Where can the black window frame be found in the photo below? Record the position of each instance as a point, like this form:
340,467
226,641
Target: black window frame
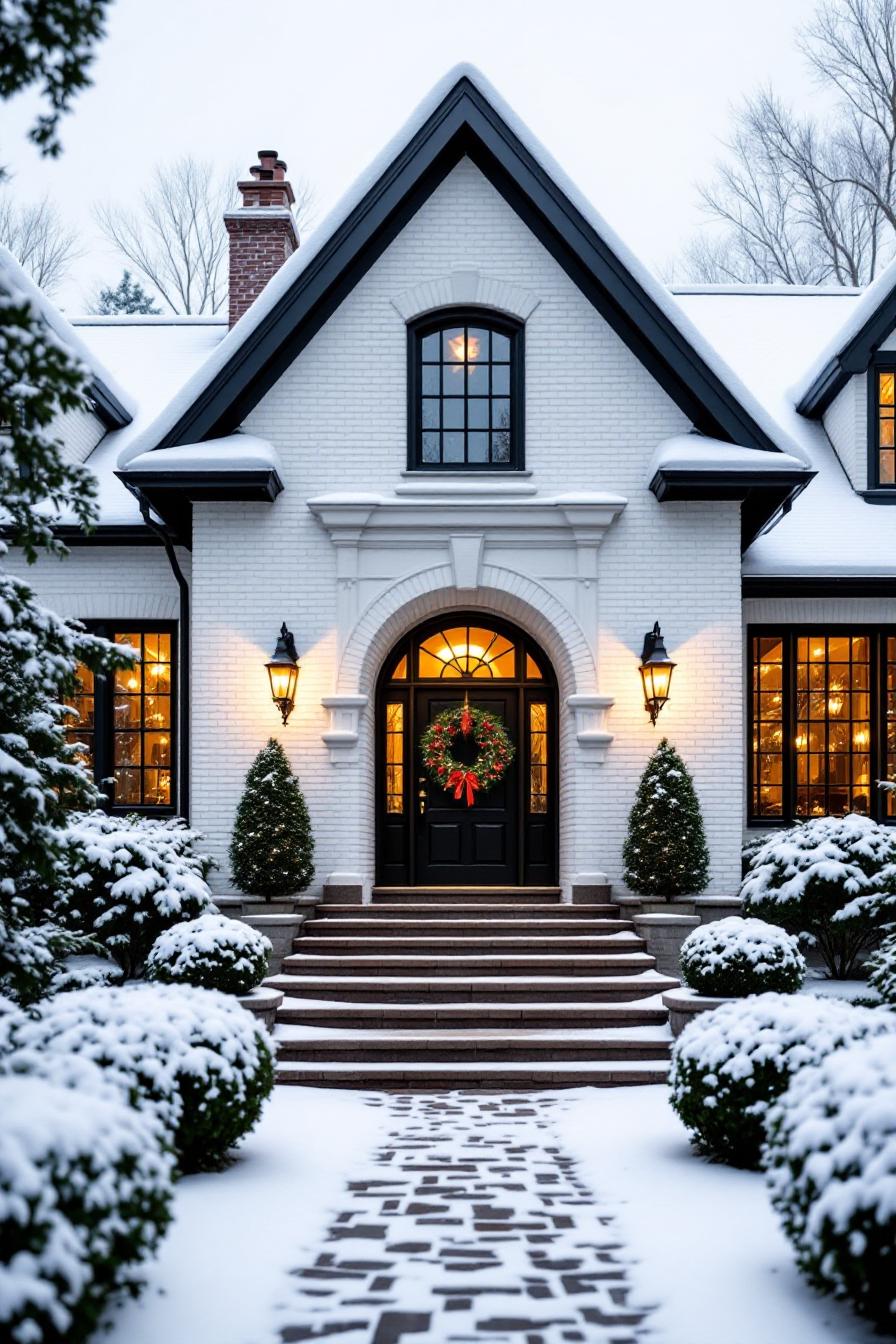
885,362
103,740
878,633
472,317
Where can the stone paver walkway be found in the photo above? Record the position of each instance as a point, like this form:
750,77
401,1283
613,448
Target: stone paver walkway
467,1224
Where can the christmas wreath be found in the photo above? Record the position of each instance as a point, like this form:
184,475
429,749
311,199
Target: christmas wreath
496,751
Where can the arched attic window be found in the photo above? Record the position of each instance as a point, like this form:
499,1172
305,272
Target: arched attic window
465,381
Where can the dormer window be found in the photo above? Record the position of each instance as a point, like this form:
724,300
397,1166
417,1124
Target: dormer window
882,456
466,393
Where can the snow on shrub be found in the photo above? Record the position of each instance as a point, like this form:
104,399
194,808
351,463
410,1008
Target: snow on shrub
832,879
213,952
85,1195
830,1161
882,970
731,1063
132,877
192,1056
734,956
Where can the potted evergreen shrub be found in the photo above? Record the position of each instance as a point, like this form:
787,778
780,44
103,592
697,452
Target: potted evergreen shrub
665,852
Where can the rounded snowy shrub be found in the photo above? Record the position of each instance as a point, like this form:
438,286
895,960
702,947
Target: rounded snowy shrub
831,879
192,1056
131,878
882,970
733,957
213,952
85,1195
730,1064
830,1161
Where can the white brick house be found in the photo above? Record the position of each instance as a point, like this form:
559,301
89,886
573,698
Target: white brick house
608,455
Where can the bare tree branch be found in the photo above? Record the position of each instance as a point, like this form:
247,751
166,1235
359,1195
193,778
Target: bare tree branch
39,239
177,239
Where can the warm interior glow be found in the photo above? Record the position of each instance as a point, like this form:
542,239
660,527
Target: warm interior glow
463,651
860,739
283,681
463,349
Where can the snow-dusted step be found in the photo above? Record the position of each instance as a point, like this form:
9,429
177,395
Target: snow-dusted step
465,943
466,895
498,988
477,1044
413,927
422,1076
496,908
533,963
437,1017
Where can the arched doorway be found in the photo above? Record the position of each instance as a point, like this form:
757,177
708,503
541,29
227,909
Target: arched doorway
426,837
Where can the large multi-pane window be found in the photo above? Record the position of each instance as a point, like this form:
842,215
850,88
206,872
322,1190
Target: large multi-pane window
823,722
126,722
465,393
883,417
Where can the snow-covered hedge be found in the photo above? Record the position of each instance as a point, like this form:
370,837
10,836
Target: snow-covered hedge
882,970
192,1056
830,1161
38,959
734,956
832,879
131,878
730,1064
85,1195
213,952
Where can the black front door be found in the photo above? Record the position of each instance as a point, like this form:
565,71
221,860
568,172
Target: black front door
456,844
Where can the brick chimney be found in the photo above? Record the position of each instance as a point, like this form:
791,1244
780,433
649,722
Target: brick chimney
262,231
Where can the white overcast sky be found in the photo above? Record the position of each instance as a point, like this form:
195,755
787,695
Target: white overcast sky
632,98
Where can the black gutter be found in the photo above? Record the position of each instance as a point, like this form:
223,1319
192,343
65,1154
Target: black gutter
184,670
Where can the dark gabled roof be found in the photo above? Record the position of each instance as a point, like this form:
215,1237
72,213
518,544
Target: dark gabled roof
465,121
854,347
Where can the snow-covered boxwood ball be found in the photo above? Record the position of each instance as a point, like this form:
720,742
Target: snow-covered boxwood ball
730,1064
131,878
733,957
830,1161
832,879
213,952
85,1196
194,1057
882,970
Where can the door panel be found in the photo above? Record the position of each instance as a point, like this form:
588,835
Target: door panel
457,844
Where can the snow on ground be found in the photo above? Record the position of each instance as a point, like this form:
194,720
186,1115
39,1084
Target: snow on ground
707,1244
836,989
223,1270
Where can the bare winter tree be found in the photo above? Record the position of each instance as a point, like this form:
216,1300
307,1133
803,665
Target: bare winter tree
39,239
177,239
810,200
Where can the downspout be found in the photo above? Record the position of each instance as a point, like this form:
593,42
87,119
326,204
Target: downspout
164,536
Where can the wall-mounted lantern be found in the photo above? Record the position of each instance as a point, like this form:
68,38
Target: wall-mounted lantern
283,672
656,672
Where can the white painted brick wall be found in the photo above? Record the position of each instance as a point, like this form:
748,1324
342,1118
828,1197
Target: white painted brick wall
593,418
105,582
846,422
79,431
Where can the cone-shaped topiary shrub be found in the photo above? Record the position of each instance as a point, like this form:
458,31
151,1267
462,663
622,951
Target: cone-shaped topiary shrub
272,849
665,851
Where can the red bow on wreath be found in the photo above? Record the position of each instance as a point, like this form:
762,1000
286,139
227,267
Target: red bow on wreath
464,779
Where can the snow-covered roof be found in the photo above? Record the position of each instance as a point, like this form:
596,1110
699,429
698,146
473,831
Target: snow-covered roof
768,334
281,283
695,452
875,297
236,452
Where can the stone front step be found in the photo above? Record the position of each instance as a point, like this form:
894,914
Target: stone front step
467,944
465,895
435,928
507,964
492,989
462,910
480,1045
497,1077
445,1016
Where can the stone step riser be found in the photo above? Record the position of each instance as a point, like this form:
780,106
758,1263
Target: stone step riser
443,991
487,896
484,910
452,928
509,1055
445,1017
473,1078
467,946
388,964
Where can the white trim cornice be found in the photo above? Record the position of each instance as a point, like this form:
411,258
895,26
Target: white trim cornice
462,288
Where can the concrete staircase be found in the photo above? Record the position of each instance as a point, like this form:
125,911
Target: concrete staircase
481,987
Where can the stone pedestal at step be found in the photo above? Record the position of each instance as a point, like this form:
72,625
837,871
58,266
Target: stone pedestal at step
280,920
685,1004
711,908
663,935
263,1003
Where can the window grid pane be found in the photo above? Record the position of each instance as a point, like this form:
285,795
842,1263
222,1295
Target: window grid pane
395,757
81,730
471,422
886,428
466,651
538,757
833,725
142,721
768,727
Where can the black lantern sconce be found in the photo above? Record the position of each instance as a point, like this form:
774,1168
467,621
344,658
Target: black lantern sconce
283,672
656,672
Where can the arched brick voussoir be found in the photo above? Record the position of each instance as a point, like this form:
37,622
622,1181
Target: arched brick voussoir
502,592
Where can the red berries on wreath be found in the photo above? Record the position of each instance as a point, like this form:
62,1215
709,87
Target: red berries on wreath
496,751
